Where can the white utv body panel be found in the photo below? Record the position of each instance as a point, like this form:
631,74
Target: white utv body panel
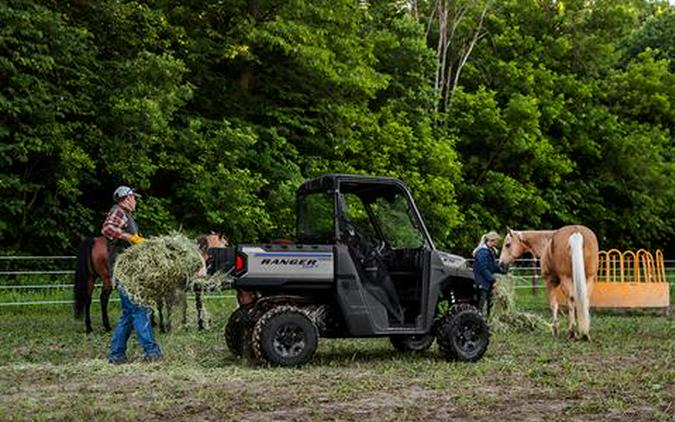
292,262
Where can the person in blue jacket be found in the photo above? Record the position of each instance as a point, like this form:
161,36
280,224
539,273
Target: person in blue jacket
484,267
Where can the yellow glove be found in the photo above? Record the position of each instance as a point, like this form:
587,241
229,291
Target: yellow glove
136,239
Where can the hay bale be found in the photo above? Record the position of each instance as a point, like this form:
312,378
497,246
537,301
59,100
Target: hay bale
504,316
159,268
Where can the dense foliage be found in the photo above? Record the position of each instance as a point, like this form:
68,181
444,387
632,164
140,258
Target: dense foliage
536,114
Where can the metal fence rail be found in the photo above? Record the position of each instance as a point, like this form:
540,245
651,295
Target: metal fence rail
526,272
70,302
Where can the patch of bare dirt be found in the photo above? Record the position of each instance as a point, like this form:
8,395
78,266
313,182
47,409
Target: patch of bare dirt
411,404
669,407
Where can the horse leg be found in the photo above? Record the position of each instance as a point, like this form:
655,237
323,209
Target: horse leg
87,308
571,307
103,269
553,304
161,316
183,304
589,291
200,308
105,295
571,329
167,324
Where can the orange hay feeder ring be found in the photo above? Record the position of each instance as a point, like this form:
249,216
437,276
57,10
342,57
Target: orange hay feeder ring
631,280
628,280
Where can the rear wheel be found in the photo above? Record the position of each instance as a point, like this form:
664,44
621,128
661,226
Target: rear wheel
412,343
463,334
286,336
238,325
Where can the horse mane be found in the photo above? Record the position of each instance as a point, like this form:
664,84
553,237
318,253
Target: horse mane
535,240
202,243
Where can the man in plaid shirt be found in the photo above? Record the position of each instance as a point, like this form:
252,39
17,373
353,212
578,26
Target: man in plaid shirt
119,226
121,231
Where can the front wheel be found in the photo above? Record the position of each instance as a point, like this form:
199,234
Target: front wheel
285,336
463,334
412,343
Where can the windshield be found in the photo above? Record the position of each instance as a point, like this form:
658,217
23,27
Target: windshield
394,217
384,215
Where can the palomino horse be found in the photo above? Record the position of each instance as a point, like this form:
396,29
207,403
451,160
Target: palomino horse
569,260
92,261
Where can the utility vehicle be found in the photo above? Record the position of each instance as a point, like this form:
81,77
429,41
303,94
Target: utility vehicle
363,265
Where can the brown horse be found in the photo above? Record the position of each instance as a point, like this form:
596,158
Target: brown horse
92,261
569,262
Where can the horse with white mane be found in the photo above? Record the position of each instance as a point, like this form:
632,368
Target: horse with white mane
569,260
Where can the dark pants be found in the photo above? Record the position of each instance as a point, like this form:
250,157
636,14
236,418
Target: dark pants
485,301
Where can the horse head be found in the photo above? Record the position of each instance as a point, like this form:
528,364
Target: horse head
208,241
211,240
514,247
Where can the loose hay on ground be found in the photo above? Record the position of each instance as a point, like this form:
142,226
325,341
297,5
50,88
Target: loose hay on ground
504,316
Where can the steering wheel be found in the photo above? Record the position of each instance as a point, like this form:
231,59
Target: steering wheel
380,247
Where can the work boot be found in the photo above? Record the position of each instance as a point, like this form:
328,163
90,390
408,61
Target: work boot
152,358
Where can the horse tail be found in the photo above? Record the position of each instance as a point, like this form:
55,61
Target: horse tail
581,304
82,274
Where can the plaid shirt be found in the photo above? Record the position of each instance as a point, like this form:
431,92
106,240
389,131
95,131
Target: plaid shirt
115,223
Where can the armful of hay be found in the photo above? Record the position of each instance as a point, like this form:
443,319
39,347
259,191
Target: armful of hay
159,267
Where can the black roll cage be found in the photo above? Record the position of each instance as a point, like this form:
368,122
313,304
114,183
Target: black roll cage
336,184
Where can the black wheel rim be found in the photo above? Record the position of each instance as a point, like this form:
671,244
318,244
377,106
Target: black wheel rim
289,340
468,337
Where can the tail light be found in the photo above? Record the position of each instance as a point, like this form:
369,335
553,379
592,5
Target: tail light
239,264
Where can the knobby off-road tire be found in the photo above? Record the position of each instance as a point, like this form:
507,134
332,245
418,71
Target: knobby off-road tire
237,330
286,336
463,334
412,343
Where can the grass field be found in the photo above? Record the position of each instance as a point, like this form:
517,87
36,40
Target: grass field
51,370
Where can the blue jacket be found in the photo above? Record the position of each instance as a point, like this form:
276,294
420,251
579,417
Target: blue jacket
484,266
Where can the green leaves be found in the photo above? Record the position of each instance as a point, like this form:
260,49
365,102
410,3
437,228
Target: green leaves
47,76
562,113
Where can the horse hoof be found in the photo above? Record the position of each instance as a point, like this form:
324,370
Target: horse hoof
585,337
570,335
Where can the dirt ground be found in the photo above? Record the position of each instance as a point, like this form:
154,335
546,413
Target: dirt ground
51,370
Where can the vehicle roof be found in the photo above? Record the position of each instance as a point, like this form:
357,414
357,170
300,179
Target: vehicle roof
330,181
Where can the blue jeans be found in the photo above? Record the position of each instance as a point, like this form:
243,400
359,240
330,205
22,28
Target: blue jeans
136,317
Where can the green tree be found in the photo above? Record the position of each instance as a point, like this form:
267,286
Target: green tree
47,76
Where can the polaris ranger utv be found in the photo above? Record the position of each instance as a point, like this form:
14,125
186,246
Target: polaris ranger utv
364,265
